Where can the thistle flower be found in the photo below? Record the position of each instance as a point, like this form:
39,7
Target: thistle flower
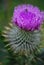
23,33
27,17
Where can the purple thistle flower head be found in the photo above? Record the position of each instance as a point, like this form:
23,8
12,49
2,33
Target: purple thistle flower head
27,17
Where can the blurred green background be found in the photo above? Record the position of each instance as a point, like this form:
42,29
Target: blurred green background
6,12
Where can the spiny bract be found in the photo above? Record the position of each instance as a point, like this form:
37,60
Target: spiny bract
20,40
